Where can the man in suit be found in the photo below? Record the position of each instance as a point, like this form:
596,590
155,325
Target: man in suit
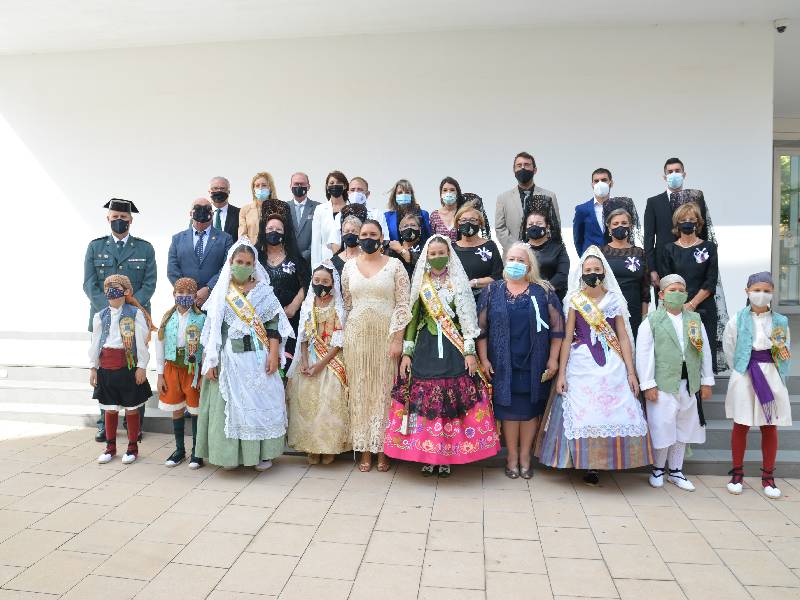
658,216
226,215
199,251
302,208
508,212
588,227
120,253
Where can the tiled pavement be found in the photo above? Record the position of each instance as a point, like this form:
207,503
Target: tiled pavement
75,530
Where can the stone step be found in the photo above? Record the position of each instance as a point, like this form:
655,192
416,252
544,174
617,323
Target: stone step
718,436
715,407
718,462
50,374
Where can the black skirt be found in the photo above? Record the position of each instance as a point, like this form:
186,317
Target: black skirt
118,387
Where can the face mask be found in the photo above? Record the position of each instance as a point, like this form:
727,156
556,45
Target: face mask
403,199
449,198
409,234
219,196
336,191
524,176
241,272
760,298
468,229
592,279
298,191
350,240
536,232
321,291
687,227
262,193
120,226
675,300
184,301
620,233
369,245
113,293
515,270
357,197
274,238
438,263
201,214
601,189
675,181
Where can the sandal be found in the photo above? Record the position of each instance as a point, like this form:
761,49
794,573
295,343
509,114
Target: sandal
328,458
365,466
313,459
384,464
526,473
512,473
427,470
444,471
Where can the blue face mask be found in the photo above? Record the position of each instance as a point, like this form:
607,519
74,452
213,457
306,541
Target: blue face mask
403,199
184,301
263,194
675,180
113,293
516,270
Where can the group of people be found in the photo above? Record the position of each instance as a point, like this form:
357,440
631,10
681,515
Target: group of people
409,335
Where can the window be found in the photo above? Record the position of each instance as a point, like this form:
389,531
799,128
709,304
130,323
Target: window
787,184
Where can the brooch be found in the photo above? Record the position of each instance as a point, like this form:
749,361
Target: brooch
484,253
289,267
632,264
701,255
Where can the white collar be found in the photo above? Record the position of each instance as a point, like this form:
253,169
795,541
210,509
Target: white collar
197,231
222,209
296,203
123,240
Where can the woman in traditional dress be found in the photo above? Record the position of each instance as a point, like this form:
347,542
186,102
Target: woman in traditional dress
242,406
595,421
441,410
375,290
317,390
522,329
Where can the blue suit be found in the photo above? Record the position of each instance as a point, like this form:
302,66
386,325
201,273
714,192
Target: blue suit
585,228
183,262
394,234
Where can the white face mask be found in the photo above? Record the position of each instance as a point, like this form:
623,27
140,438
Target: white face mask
601,189
357,197
760,298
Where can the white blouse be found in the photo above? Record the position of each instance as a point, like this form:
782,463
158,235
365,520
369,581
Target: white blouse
114,339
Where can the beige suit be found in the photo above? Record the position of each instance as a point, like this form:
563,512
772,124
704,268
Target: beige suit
508,214
249,216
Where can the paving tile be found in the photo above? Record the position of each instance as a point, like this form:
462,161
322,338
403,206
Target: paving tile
14,521
110,494
104,537
340,469
355,503
225,595
445,568
23,484
45,499
564,542
240,519
727,534
316,488
510,526
580,577
636,589
786,549
683,547
466,485
84,478
56,573
95,587
759,567
452,535
558,514
407,519
300,511
331,560
388,581
416,495
140,509
7,573
346,529
286,470
258,574
173,488
501,586
139,559
213,549
370,483
181,582
393,548
71,518
771,522
58,465
618,530
456,508
174,528
303,588
261,495
634,562
201,502
282,538
512,501
438,593
30,545
708,582
772,593
514,556
705,509
663,518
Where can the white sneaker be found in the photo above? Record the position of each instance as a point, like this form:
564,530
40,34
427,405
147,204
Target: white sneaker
768,483
676,477
656,477
128,458
263,465
105,458
772,492
195,463
735,488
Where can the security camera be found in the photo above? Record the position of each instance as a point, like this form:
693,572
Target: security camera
781,25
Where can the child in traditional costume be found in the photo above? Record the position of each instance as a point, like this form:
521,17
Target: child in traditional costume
178,359
118,358
319,417
674,360
595,421
442,413
242,417
756,345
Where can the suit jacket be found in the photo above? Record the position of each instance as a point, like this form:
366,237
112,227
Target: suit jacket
508,214
658,228
183,262
303,227
232,222
392,224
585,228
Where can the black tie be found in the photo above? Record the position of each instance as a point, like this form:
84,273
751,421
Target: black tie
120,245
198,249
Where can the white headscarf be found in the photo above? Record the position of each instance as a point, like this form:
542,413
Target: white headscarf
215,307
337,339
464,300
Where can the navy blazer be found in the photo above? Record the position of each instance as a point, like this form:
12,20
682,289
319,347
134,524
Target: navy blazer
183,261
585,228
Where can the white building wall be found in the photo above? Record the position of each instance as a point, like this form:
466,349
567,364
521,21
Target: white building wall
154,124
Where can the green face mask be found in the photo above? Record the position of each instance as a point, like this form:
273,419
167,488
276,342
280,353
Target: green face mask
241,273
438,263
675,300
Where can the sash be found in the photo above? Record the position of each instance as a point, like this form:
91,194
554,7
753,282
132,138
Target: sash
430,299
321,348
192,335
127,331
597,321
247,313
779,350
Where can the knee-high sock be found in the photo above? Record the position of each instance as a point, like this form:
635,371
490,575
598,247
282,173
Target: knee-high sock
111,421
675,455
133,431
178,429
194,433
769,446
660,457
739,443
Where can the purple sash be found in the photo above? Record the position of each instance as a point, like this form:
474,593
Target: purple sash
760,385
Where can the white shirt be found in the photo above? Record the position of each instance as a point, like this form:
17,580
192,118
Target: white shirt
196,237
114,339
123,240
598,213
223,216
181,341
298,208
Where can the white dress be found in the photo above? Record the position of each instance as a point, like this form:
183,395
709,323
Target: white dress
741,403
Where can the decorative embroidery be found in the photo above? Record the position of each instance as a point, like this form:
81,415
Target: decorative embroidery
289,267
701,255
633,264
695,335
779,350
484,253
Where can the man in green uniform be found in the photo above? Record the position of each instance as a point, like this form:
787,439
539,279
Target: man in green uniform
123,254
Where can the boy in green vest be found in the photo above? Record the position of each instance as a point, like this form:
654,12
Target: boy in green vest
673,360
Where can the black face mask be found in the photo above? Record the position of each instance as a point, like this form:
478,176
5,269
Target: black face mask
592,279
336,191
524,176
620,233
120,226
274,238
687,227
219,196
468,229
409,234
535,232
298,191
350,240
320,290
201,214
369,245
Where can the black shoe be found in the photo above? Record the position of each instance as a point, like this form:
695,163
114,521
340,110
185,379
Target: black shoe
196,463
176,458
139,439
444,471
526,473
100,436
591,478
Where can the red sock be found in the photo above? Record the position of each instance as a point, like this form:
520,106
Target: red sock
112,419
739,443
133,431
769,446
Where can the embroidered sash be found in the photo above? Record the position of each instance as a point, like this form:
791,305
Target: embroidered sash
247,313
597,321
321,348
127,331
779,350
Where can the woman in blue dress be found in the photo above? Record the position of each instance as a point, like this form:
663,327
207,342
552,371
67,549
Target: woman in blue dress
522,359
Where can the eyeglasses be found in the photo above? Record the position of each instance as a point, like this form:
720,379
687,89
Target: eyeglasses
470,221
